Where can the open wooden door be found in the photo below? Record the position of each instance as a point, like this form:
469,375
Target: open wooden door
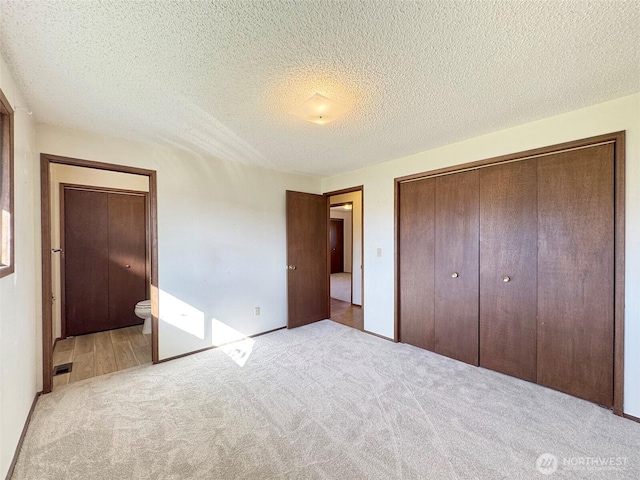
307,259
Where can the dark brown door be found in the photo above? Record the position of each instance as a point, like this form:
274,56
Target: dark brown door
508,267
336,243
104,260
127,258
416,258
307,259
457,266
575,273
85,262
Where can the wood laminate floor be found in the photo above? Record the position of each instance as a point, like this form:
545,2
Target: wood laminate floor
99,353
347,314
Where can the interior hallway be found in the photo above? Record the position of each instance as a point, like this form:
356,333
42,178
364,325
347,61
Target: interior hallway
347,314
342,310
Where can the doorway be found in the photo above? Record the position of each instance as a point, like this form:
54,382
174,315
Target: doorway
132,344
341,251
345,242
104,272
104,233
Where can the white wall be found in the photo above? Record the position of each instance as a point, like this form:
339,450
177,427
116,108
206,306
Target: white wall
221,230
71,174
358,266
347,237
20,305
378,180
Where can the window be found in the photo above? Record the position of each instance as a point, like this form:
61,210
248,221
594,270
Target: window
6,187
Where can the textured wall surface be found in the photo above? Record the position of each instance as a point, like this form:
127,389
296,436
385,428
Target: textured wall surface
221,237
220,77
20,296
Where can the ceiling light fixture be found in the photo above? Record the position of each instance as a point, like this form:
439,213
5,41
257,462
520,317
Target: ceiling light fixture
320,110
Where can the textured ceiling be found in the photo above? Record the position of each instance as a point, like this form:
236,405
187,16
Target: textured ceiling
219,78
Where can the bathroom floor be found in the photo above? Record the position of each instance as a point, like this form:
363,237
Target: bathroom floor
99,353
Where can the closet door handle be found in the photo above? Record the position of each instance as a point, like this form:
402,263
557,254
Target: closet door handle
506,278
454,275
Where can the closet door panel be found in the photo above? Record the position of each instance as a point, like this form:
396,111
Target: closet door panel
575,273
416,258
457,266
127,258
85,261
508,268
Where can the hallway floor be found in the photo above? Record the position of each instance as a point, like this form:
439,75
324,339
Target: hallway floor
341,286
102,352
347,314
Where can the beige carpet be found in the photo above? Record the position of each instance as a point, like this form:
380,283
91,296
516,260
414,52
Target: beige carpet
321,402
341,286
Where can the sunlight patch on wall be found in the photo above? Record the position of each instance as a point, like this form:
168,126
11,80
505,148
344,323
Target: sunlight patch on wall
188,319
181,315
222,334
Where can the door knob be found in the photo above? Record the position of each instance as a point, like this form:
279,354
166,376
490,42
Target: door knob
506,278
454,275
127,266
291,267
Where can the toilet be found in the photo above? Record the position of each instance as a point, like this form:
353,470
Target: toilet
143,310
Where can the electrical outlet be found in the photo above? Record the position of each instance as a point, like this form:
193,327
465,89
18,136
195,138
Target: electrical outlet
379,252
256,312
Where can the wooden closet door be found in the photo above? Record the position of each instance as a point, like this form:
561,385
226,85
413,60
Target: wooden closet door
86,262
576,273
508,268
457,266
416,259
127,258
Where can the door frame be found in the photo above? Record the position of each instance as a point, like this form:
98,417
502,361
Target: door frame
147,280
45,204
618,140
331,205
328,195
